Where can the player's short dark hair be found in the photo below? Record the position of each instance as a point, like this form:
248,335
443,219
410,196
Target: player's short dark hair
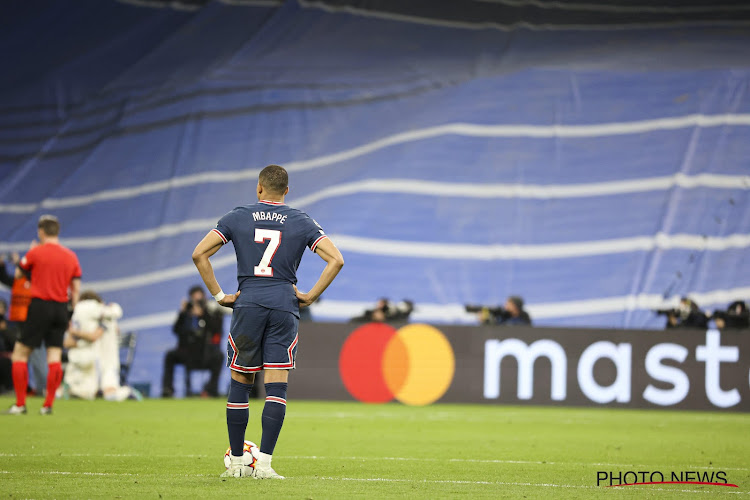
49,225
91,295
274,178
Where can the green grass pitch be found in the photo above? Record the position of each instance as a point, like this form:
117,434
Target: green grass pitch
174,449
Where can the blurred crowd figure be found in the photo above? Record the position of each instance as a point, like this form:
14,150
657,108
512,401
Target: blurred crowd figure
689,315
93,343
386,311
510,314
8,335
15,314
199,330
686,315
736,316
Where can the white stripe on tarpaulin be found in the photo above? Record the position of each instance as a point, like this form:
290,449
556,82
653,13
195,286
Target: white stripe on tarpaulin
443,23
188,7
140,280
423,250
462,129
488,190
417,187
128,238
585,7
435,250
596,7
426,250
455,313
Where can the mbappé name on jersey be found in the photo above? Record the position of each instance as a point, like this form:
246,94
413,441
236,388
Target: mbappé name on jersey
269,240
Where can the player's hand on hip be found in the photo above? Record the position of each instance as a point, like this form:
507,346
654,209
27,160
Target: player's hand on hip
303,298
228,300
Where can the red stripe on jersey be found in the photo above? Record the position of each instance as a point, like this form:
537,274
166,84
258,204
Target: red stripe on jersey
317,241
223,238
276,203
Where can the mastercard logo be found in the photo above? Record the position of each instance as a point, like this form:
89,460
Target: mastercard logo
414,364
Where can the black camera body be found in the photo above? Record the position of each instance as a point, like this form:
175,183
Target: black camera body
667,312
732,319
201,303
497,313
720,315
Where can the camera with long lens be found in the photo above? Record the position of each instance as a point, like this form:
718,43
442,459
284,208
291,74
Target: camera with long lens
667,312
489,315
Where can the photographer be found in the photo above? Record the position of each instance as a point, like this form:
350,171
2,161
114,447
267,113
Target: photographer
686,315
6,278
385,311
198,333
512,313
8,335
736,317
20,298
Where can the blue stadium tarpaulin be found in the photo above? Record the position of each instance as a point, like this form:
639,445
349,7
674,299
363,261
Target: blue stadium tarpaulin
593,158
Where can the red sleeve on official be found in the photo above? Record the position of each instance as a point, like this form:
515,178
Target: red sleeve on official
27,261
77,270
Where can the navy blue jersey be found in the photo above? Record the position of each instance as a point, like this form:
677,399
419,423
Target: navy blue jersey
269,240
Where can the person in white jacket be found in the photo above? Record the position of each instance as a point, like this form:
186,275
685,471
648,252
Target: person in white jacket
93,341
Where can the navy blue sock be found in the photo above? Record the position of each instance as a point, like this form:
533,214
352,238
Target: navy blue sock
273,416
237,415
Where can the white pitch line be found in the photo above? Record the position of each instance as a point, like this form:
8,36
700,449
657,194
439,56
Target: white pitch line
495,461
116,455
508,483
383,480
404,459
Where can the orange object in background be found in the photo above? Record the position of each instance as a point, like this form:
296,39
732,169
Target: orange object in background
20,298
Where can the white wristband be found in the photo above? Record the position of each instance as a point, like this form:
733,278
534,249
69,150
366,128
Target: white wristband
220,295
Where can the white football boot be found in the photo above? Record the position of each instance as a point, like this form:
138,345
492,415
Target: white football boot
263,468
236,468
15,410
266,473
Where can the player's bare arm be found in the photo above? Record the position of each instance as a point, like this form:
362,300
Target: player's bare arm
75,291
209,245
334,262
90,336
19,273
69,341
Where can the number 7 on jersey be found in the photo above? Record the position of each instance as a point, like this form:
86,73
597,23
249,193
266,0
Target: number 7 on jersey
261,235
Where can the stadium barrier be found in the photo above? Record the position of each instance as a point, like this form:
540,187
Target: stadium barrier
421,364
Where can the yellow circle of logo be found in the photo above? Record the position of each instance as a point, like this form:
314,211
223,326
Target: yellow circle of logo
414,364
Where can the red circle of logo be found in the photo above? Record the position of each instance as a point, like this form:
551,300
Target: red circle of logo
360,363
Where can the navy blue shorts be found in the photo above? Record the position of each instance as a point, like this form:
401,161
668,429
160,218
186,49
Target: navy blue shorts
261,338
